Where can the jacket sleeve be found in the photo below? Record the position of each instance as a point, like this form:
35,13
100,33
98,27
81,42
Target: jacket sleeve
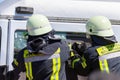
13,74
18,65
18,61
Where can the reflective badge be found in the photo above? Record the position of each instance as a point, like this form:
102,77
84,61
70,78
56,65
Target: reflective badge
105,53
108,49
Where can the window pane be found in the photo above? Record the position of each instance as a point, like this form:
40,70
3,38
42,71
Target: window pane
72,36
20,40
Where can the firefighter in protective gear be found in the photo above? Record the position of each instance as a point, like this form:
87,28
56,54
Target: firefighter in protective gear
104,52
45,56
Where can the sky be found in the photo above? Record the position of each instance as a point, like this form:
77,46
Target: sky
1,1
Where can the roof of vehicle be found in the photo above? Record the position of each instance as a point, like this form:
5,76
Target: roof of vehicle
63,8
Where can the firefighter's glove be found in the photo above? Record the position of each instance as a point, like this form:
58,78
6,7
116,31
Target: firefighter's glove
79,48
76,56
74,59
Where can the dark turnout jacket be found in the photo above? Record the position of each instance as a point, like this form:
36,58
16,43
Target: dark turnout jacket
102,55
48,66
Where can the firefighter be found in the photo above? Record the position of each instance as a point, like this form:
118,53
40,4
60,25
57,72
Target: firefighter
104,52
45,56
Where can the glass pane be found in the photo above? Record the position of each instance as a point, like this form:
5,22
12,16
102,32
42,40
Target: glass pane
72,36
20,40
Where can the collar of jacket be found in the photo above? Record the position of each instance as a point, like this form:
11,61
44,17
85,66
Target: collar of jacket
97,40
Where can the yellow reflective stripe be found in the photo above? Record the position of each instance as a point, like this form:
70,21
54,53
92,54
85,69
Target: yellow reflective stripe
101,66
27,73
28,66
104,65
56,67
15,62
54,70
74,61
84,65
105,53
26,53
70,46
58,51
30,69
108,49
71,52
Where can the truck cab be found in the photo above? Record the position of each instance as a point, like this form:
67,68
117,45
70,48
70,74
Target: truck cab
67,17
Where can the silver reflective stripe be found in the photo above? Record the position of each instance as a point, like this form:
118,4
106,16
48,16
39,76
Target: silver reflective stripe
109,56
40,58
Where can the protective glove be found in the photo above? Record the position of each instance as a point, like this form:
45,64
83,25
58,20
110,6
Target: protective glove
79,48
73,58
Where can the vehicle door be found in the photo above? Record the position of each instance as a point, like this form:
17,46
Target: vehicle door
3,44
17,40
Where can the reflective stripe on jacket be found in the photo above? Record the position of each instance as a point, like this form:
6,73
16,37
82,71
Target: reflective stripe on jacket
43,66
107,52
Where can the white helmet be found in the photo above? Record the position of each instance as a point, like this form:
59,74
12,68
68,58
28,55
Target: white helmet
38,25
100,26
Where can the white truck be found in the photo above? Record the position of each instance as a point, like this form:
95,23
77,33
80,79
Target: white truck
67,17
